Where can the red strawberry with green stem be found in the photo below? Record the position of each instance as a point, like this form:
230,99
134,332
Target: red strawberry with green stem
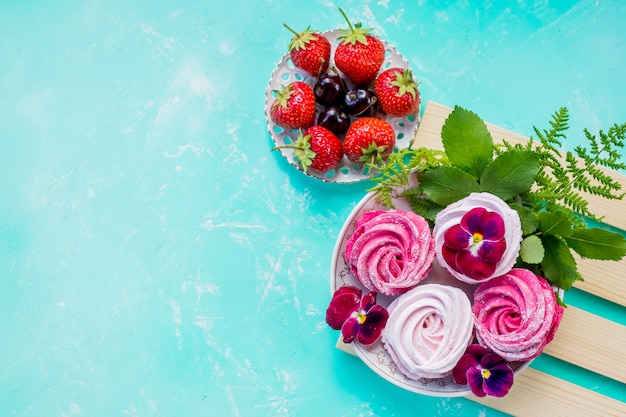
309,51
360,55
397,92
317,149
369,141
294,106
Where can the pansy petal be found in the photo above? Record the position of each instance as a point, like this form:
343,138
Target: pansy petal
347,289
473,219
475,381
375,322
477,351
456,238
492,226
368,300
459,372
449,256
377,315
350,329
473,266
500,380
369,333
491,360
345,301
492,251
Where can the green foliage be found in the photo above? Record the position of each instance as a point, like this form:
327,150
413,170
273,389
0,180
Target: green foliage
532,250
511,173
394,176
528,218
562,181
445,185
558,265
547,188
467,142
597,244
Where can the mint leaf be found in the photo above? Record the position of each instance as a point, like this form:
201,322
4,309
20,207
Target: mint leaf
528,218
555,223
531,250
598,244
467,142
445,185
511,173
559,266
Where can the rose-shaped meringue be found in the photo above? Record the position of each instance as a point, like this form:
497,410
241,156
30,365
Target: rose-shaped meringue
390,251
428,330
516,314
477,238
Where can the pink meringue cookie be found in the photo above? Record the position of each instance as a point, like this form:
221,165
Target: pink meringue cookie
428,330
516,314
452,216
390,251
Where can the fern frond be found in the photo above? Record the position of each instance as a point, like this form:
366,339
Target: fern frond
551,139
397,171
563,180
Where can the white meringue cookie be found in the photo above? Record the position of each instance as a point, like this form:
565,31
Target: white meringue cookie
428,330
452,215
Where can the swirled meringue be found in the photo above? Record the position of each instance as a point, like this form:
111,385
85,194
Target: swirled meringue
428,330
516,314
453,215
390,251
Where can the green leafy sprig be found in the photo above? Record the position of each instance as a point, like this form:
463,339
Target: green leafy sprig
548,190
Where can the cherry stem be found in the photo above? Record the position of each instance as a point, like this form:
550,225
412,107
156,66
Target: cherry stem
369,106
341,80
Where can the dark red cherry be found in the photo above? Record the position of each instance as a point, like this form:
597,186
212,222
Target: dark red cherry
334,119
360,102
329,89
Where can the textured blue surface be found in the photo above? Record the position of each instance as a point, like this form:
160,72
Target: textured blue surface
157,259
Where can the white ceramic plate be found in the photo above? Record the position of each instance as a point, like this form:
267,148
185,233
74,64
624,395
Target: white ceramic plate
375,356
347,172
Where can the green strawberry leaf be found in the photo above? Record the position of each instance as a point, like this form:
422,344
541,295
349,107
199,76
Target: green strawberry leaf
511,173
300,39
531,250
467,142
302,151
373,156
445,185
554,223
355,34
405,83
528,218
559,266
597,244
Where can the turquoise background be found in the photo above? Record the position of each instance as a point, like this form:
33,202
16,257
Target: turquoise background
158,259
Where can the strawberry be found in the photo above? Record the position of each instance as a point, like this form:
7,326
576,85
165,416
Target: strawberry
294,106
318,149
360,55
397,92
309,51
369,140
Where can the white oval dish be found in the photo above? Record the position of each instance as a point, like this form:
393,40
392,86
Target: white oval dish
375,356
347,172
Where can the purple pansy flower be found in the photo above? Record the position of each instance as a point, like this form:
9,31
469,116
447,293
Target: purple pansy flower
485,372
475,246
357,317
